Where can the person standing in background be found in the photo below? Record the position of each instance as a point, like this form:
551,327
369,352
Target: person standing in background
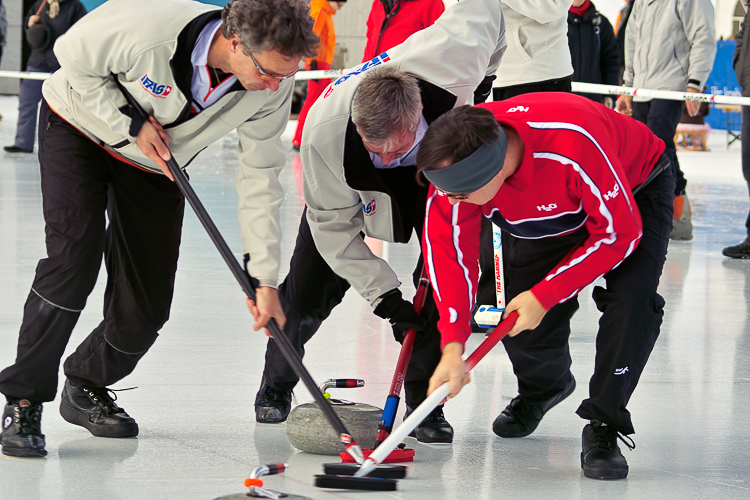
669,45
392,21
593,47
741,64
322,11
621,24
3,32
45,22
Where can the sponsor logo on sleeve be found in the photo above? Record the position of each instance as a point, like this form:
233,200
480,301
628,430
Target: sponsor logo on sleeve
613,193
154,88
369,208
377,61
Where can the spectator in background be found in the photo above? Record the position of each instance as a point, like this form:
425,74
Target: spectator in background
593,47
620,29
46,21
669,45
322,11
392,21
741,63
3,32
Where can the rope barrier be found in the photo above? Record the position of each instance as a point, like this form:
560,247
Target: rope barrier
589,88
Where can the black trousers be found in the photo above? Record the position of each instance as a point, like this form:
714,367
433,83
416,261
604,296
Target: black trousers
81,183
631,310
745,131
310,292
661,117
486,284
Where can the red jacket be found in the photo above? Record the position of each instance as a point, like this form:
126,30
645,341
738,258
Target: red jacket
407,17
579,164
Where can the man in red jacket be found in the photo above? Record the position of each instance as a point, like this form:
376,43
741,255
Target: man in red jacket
557,173
392,21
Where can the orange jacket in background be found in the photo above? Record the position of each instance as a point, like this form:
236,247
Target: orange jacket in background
323,15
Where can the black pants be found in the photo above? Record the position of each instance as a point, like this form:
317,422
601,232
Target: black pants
661,117
486,286
80,183
631,310
746,154
310,292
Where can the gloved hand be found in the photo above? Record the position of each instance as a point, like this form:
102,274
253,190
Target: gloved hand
484,89
400,313
313,65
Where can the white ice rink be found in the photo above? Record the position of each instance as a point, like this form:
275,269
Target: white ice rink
195,388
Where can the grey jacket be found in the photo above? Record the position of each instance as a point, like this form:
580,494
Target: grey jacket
741,57
132,43
669,44
345,195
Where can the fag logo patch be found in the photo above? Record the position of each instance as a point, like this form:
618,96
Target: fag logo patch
377,61
155,89
369,208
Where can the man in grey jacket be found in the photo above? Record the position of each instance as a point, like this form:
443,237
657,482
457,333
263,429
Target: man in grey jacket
741,63
358,158
199,71
669,45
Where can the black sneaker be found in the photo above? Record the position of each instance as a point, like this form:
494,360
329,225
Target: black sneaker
521,417
601,457
22,430
741,251
16,149
433,429
94,408
272,406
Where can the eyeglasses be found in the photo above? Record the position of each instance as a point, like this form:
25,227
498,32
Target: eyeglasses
453,196
266,76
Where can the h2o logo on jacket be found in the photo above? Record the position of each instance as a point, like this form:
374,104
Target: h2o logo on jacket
369,208
377,61
153,88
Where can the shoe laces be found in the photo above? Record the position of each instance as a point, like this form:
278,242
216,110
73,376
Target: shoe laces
522,409
606,437
436,416
105,398
28,417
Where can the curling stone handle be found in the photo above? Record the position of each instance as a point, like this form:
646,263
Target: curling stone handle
341,383
268,470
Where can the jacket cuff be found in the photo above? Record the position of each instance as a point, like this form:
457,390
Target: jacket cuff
546,296
695,84
454,333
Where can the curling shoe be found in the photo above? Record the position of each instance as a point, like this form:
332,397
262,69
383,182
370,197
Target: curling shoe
22,430
682,226
601,457
95,409
272,406
741,251
521,417
433,429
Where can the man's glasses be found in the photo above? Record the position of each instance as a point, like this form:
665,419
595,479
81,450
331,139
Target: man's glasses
453,196
266,76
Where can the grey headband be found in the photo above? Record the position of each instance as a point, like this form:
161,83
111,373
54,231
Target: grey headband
473,172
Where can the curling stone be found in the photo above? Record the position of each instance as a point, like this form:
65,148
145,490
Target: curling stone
308,429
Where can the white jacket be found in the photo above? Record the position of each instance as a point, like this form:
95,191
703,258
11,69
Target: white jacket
343,192
537,35
669,45
134,42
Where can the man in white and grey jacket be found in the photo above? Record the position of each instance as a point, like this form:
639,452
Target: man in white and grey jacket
198,71
669,45
358,157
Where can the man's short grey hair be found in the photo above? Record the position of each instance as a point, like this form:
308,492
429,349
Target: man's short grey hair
387,103
281,25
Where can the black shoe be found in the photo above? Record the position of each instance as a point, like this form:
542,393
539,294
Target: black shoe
601,457
95,409
272,406
741,251
521,417
22,430
433,429
16,149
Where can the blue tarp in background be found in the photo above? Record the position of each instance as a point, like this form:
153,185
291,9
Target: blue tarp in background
722,80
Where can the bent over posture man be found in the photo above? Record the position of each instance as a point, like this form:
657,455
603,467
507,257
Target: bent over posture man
556,172
199,71
358,156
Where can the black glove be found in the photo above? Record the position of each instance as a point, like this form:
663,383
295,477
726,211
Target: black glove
313,65
484,89
400,313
